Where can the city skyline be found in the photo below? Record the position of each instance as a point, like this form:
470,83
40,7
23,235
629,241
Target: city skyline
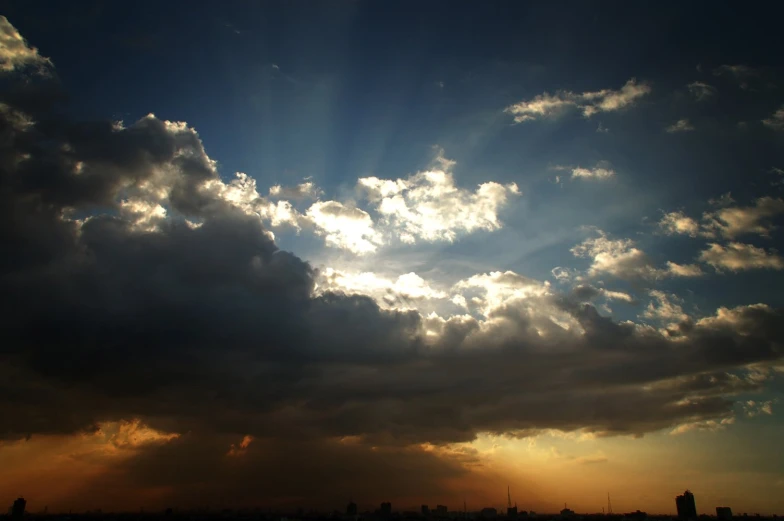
685,506
293,253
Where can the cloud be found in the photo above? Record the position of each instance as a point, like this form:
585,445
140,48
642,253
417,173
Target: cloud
428,206
678,223
306,190
683,270
665,308
345,227
140,287
776,120
591,460
682,125
622,259
706,425
732,222
496,288
587,292
15,53
742,74
400,292
701,91
598,173
722,200
753,408
736,256
548,105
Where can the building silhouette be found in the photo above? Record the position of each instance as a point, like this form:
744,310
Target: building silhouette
17,510
687,508
488,512
386,508
511,511
723,513
351,509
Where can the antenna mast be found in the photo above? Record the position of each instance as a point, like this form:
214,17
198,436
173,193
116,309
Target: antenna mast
508,497
609,505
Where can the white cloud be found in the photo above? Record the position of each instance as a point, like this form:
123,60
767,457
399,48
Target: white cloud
679,223
621,258
665,308
740,257
242,193
682,125
14,51
386,291
429,206
734,221
683,270
701,91
776,120
587,292
306,190
345,227
562,274
498,287
597,172
548,105
143,215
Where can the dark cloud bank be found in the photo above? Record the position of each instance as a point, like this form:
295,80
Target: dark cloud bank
196,323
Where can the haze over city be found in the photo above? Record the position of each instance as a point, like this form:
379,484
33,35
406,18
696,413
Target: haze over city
296,255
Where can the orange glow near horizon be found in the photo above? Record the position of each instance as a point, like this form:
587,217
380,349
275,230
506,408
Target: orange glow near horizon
544,472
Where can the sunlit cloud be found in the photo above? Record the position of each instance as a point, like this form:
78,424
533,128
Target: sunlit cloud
15,53
623,259
737,256
597,172
429,206
548,105
345,227
776,120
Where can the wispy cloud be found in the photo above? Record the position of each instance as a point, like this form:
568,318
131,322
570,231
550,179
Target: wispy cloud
776,120
601,171
742,74
682,125
701,91
548,105
737,256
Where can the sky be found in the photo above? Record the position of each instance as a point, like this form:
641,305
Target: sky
288,254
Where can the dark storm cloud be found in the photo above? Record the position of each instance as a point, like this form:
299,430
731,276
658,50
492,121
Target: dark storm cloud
190,318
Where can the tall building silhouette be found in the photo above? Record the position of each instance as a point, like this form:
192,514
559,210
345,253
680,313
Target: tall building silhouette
17,511
687,508
723,513
386,509
351,509
425,510
511,511
442,510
